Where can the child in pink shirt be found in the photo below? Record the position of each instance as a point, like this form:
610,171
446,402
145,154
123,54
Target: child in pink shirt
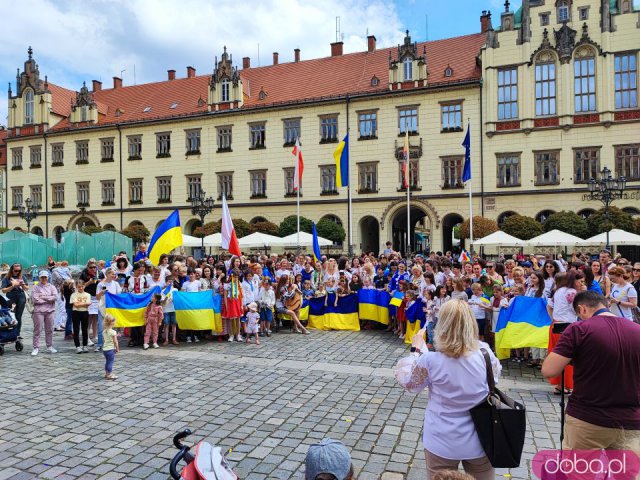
153,316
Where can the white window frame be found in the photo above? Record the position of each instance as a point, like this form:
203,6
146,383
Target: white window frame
508,170
225,184
108,192
258,183
545,89
224,135
194,186
57,193
407,69
83,194
508,93
134,147
164,189
626,80
29,107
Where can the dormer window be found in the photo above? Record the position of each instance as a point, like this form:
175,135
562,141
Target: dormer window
262,95
146,109
374,81
28,107
173,106
407,68
225,91
563,12
448,72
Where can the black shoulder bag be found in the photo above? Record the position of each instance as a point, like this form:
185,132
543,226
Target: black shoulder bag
501,424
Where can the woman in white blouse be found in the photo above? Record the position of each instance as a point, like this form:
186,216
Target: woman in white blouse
457,381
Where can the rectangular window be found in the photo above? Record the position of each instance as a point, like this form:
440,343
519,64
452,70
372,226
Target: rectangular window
408,120
163,145
545,89
36,195
452,172
414,174
451,114
194,187
57,192
329,129
164,189
291,131
544,19
546,168
35,154
328,180
224,139
289,175
16,197
108,192
585,84
367,177
563,13
135,191
82,152
193,142
57,154
368,125
257,135
507,94
586,164
626,80
508,171
258,180
225,185
82,190
583,13
135,147
16,158
628,161
106,149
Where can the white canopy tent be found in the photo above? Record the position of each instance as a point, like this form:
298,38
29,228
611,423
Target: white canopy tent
306,240
554,238
189,241
213,240
499,239
616,237
258,239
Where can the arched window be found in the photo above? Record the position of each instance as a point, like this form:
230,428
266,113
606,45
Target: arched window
542,216
407,67
545,86
503,216
225,90
28,107
584,76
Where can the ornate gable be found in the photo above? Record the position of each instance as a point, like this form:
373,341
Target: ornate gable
84,108
408,69
30,76
224,70
565,41
225,85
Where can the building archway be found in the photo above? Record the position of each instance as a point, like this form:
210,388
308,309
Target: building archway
419,235
634,212
503,216
109,227
82,219
255,220
449,222
57,233
586,212
136,223
37,231
191,225
369,234
335,219
542,216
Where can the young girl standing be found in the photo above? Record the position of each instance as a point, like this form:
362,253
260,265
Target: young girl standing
153,317
267,300
80,301
253,317
110,346
232,306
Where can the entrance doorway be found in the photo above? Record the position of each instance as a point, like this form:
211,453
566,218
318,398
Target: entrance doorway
449,224
420,231
369,234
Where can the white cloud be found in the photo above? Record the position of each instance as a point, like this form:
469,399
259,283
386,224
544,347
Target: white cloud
75,41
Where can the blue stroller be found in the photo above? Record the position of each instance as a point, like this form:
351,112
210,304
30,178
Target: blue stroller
8,333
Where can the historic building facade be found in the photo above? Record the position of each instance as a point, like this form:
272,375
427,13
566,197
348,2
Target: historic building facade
550,95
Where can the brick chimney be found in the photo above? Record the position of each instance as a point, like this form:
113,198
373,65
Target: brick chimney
336,49
97,85
485,21
371,43
191,72
117,82
171,74
246,63
296,55
275,58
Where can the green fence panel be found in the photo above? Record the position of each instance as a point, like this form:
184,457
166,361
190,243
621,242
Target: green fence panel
11,235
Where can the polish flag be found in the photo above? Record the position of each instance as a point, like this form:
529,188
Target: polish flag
229,239
297,175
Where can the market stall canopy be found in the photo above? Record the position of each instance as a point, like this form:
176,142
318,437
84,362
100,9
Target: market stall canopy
554,238
616,237
258,239
189,241
500,239
306,240
213,240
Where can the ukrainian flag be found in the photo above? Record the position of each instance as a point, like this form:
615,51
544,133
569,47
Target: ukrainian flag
197,310
316,244
342,317
416,319
128,308
374,305
167,237
524,324
303,314
341,157
396,299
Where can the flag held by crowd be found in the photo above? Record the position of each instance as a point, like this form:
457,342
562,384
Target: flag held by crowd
396,299
166,237
524,324
128,308
466,171
464,257
198,310
341,157
342,317
374,305
316,244
416,319
299,167
228,232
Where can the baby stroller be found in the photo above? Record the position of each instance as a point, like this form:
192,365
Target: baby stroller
8,333
207,464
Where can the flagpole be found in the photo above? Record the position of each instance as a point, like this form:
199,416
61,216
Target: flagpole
408,213
349,208
298,235
470,194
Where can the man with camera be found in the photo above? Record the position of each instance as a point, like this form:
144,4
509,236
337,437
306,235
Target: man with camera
604,349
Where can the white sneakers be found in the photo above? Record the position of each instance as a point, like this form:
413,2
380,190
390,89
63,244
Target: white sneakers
78,349
146,346
155,345
230,338
196,339
188,339
90,343
85,350
34,352
239,338
51,350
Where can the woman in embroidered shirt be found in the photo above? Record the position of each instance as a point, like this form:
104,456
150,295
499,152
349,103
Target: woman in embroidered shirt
232,310
455,375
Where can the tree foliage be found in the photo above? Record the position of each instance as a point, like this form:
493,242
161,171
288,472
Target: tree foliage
138,233
330,230
90,229
267,227
617,219
522,227
242,228
3,229
289,225
568,222
481,227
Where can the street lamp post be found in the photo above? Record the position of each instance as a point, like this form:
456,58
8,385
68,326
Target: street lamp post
201,207
28,212
606,190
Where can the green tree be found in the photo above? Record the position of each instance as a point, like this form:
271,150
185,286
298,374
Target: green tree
481,227
90,229
568,222
138,233
3,229
289,225
522,227
617,219
267,227
330,230
242,228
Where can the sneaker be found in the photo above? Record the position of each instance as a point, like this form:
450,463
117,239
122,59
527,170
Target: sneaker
401,337
188,339
85,350
34,352
97,349
78,349
239,338
51,350
90,343
155,345
230,338
146,346
196,339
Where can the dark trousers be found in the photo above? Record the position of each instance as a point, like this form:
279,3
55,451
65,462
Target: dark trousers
69,323
109,357
20,305
80,322
137,336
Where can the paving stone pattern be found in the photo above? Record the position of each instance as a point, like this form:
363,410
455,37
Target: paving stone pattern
264,405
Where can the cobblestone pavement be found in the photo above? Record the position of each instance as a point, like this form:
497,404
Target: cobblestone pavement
262,404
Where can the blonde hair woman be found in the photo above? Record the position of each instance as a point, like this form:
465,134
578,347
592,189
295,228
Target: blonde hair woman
331,271
456,377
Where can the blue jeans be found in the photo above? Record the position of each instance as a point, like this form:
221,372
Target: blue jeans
109,357
100,338
431,328
68,326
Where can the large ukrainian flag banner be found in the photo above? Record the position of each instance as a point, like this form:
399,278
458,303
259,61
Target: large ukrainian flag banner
198,310
304,312
128,308
342,317
374,305
416,319
166,237
524,324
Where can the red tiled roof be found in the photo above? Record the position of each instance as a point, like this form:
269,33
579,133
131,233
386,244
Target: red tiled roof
3,147
61,99
284,83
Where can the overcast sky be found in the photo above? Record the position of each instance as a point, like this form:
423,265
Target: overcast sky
75,41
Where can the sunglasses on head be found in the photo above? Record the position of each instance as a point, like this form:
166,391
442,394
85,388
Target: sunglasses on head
636,269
